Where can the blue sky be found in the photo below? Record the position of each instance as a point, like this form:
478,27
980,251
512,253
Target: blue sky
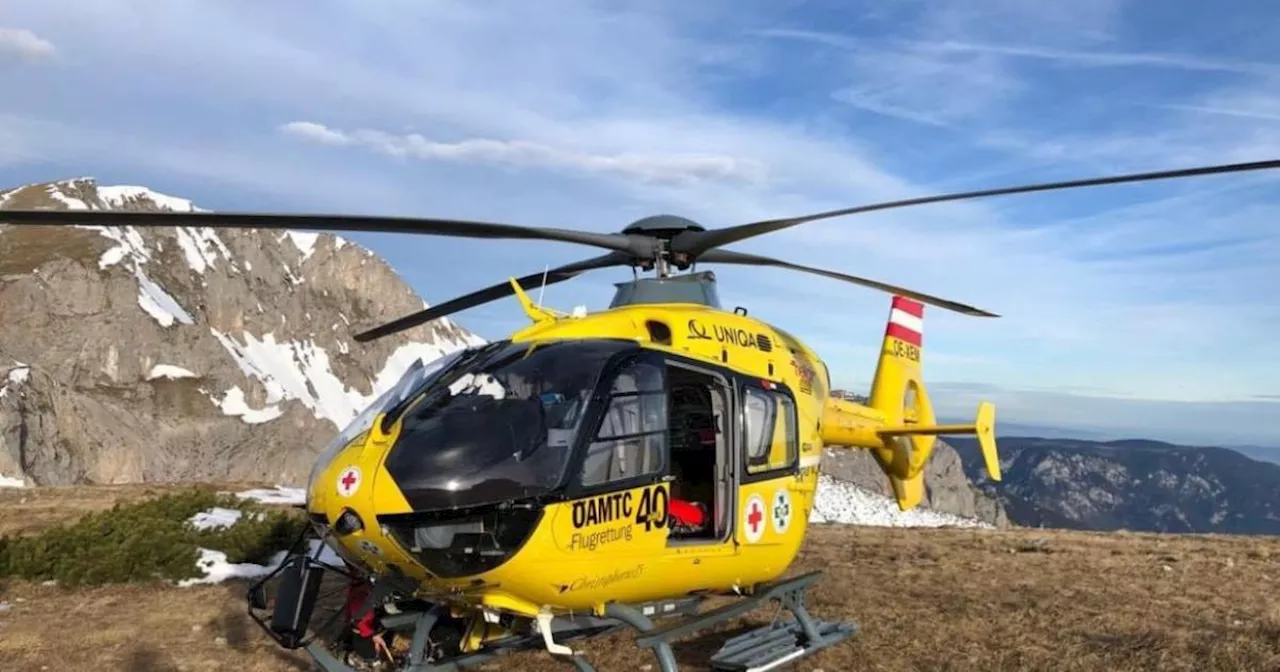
1147,309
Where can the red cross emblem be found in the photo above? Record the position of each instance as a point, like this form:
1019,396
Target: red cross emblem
349,482
755,518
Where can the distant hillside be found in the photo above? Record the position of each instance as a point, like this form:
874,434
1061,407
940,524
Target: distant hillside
1136,485
1264,453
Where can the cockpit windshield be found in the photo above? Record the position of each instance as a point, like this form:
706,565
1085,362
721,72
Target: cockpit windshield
415,376
499,425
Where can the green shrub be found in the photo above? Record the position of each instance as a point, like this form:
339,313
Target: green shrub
148,540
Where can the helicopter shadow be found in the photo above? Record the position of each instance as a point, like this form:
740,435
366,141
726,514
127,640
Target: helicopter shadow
144,658
235,628
694,651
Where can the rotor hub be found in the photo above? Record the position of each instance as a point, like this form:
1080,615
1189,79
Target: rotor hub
662,226
660,230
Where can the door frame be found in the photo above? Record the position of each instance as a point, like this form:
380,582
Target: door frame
726,471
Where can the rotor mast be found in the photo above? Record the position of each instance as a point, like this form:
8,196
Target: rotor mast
665,286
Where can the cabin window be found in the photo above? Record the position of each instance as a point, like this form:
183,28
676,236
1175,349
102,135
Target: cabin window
770,435
632,439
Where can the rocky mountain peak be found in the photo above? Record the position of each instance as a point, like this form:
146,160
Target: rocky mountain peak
180,352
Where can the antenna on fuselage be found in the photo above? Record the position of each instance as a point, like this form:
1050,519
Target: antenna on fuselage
546,269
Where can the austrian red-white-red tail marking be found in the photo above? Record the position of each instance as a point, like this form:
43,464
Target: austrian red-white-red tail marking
906,321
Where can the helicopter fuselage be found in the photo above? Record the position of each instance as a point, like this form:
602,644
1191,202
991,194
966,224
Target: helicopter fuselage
540,472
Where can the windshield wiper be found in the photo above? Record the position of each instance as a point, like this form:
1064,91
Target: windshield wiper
540,437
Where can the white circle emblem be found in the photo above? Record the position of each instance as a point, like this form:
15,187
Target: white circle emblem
349,481
781,511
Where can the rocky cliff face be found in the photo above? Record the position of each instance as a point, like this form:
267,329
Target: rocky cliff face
947,487
134,354
1135,485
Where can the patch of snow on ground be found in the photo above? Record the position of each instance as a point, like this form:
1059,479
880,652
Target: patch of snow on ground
170,372
233,403
215,518
278,495
842,502
11,482
216,569
305,242
158,303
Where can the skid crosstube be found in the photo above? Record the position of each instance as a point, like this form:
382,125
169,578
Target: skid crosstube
563,629
762,649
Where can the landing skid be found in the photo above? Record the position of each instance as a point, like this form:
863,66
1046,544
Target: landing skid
765,648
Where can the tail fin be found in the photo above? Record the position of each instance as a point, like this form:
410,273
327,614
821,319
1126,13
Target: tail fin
898,393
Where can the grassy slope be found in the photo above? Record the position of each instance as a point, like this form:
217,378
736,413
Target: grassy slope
924,599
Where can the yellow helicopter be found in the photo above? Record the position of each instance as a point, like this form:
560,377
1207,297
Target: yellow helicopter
597,471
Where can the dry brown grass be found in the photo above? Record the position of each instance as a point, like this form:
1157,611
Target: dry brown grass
944,599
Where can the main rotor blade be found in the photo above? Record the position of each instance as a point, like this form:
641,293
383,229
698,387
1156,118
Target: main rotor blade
731,257
493,293
245,220
694,243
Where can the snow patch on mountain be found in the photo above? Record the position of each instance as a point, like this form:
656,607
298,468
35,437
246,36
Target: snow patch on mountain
72,203
129,244
300,370
158,303
121,196
201,247
841,502
17,375
233,403
305,242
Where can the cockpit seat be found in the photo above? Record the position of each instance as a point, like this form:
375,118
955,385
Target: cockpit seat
686,514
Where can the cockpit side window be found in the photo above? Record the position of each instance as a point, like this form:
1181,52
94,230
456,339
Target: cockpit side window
770,433
632,439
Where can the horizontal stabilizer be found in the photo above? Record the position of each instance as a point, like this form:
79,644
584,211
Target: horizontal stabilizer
983,427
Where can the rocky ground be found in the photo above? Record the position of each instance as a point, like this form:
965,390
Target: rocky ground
937,599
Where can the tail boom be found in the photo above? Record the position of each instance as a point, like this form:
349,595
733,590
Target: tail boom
898,425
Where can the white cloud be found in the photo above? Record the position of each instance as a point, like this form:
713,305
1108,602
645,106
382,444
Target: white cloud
316,133
24,44
676,168
1105,59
